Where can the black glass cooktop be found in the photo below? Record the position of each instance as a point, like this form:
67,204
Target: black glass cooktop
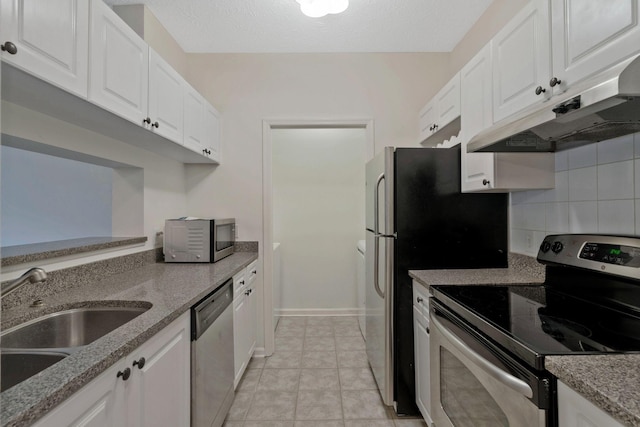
545,320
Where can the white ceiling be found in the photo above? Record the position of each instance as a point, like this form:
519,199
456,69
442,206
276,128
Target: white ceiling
253,26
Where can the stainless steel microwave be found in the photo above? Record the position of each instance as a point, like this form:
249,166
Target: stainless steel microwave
198,240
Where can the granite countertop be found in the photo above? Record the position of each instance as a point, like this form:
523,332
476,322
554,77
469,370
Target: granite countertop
522,270
171,289
611,382
20,254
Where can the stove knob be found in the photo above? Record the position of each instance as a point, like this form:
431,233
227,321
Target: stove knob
545,246
557,247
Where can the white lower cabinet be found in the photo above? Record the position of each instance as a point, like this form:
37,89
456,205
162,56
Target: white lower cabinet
576,411
421,350
244,319
156,391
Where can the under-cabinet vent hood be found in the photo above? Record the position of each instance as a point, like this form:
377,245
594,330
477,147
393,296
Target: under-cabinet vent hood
604,107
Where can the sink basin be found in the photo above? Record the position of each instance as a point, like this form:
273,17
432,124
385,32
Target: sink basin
18,366
69,328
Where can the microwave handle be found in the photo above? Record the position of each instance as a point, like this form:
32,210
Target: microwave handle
510,381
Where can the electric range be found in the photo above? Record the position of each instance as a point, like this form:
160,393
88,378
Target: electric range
588,304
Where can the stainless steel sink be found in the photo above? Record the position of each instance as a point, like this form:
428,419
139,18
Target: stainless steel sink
18,366
69,328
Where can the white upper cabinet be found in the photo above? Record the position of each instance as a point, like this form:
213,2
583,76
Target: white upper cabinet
426,119
522,61
119,65
194,129
476,115
165,99
448,102
51,39
212,132
443,109
590,35
494,172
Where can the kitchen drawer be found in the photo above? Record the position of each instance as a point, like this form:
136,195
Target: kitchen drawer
421,299
239,283
252,272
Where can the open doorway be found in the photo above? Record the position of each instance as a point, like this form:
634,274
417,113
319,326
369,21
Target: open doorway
313,207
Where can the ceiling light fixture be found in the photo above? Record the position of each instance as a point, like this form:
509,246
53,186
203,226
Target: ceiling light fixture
320,8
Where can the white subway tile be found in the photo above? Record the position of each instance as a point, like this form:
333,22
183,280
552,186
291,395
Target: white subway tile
538,237
582,157
517,216
557,217
615,181
562,160
583,217
615,150
583,184
616,217
534,216
560,193
636,138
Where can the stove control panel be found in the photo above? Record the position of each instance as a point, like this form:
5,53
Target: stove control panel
607,254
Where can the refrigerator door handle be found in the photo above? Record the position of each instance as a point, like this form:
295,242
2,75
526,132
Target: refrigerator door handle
376,232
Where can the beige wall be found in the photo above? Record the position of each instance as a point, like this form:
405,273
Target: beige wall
248,88
491,21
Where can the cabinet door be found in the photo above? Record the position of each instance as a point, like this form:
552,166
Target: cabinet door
212,132
252,323
521,61
240,337
194,130
119,65
163,383
101,403
51,38
165,98
421,352
448,101
426,118
590,35
576,411
476,115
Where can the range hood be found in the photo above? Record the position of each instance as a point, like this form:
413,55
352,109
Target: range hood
604,107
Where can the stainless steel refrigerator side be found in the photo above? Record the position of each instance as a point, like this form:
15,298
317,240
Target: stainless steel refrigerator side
379,270
389,236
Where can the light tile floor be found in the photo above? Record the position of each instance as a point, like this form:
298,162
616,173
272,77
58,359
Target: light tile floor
318,376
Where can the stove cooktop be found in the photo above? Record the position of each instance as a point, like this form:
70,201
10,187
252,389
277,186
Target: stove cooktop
589,304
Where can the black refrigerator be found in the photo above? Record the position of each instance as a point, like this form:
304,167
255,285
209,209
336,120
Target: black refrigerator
418,219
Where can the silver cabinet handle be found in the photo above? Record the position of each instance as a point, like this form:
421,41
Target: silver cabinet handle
508,380
419,299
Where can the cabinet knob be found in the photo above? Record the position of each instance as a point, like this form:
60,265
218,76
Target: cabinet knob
247,292
419,299
486,182
254,272
9,48
540,90
147,120
139,363
554,81
124,374
427,329
155,125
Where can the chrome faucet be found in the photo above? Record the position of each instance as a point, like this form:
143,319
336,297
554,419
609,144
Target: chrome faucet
34,275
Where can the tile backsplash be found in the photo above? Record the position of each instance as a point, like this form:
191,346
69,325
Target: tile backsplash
597,191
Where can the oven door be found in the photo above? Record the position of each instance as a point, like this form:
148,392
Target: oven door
475,383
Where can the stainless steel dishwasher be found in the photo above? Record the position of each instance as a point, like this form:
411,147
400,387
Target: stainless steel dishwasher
212,358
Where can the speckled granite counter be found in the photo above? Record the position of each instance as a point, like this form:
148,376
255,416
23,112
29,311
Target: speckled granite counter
522,270
611,382
21,254
171,289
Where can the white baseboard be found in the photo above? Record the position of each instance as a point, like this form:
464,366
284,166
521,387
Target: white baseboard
259,352
284,312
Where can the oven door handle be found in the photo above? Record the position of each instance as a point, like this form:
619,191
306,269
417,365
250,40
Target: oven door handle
510,381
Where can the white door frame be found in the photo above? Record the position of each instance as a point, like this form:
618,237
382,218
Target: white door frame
267,202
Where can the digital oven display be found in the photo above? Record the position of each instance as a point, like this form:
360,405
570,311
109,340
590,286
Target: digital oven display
628,256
